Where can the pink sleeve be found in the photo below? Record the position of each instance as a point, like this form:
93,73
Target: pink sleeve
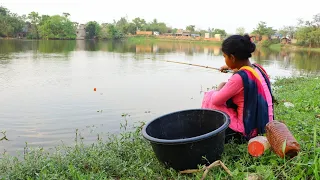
230,89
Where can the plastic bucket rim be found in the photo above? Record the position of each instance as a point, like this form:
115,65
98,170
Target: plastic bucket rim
223,127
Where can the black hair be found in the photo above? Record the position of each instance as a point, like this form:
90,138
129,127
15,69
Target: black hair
239,46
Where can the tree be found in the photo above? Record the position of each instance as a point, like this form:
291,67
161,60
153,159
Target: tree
75,24
132,29
123,25
162,27
4,11
287,31
263,29
191,28
109,31
57,27
35,20
10,23
92,29
202,32
240,31
308,32
222,32
66,14
139,23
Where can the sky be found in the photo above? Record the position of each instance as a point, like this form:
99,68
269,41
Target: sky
223,14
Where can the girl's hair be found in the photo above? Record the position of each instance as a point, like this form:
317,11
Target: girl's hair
239,46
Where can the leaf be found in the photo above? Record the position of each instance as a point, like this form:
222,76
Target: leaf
284,145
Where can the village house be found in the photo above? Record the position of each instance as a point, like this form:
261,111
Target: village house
24,31
148,33
181,32
81,32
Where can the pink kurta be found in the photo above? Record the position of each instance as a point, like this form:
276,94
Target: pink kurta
234,89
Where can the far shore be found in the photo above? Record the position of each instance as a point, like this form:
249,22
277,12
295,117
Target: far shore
197,40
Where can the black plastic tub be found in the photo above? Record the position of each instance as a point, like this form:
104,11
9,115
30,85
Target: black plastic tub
181,139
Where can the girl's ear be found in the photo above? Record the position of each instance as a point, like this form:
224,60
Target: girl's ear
233,59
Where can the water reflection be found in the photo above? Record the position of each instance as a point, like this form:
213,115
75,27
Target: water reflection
305,62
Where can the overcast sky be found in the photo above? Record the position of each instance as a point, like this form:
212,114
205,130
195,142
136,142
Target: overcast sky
225,14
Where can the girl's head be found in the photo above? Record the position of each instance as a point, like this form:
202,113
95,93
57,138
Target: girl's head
237,49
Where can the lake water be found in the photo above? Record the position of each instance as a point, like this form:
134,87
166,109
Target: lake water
47,87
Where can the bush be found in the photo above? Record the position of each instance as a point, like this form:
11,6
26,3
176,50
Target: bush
267,43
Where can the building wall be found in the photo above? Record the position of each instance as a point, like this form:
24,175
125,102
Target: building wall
144,32
81,32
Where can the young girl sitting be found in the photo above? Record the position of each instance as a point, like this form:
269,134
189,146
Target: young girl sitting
247,96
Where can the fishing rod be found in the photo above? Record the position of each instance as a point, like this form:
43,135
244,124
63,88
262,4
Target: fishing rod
209,67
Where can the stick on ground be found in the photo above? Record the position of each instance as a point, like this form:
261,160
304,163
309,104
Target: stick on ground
206,169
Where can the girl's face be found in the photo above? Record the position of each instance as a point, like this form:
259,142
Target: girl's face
230,61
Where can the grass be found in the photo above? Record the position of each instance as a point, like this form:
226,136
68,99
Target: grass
293,47
310,49
129,156
275,47
152,39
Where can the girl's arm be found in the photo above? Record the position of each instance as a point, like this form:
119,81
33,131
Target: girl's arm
230,89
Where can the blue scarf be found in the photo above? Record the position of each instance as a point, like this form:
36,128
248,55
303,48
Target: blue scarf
255,115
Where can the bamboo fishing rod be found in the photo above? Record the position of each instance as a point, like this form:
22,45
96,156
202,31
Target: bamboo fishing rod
209,67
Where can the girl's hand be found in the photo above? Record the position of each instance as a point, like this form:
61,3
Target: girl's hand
224,68
235,70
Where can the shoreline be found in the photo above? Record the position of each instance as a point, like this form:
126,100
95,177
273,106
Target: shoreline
130,156
145,39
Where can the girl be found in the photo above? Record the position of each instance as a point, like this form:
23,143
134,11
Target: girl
247,96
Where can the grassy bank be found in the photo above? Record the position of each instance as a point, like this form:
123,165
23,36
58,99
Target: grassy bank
275,47
152,39
129,156
299,48
291,47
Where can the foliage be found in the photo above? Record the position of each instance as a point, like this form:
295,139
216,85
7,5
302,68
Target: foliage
39,27
240,31
10,23
92,29
287,31
35,19
222,32
129,156
57,27
109,31
308,33
139,23
191,28
157,26
263,29
268,43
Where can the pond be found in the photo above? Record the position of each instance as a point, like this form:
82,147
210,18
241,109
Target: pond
47,87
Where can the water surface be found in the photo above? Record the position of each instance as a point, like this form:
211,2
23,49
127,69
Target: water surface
47,87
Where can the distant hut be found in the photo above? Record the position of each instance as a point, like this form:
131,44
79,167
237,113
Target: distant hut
181,32
285,40
81,32
144,33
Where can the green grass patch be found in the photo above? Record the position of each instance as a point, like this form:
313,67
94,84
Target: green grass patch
129,156
310,49
275,47
294,47
153,39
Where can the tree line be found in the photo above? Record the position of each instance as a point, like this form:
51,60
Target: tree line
35,26
307,33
